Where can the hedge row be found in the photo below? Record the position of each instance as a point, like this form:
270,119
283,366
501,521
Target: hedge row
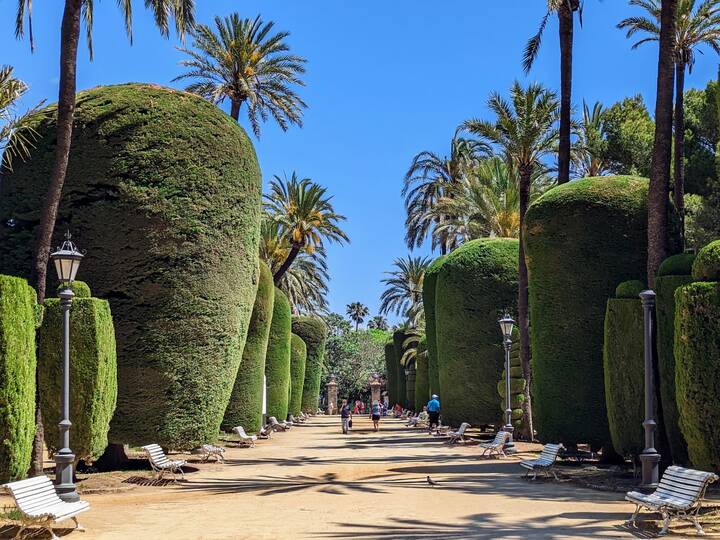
314,333
429,288
391,372
399,337
277,359
298,357
422,386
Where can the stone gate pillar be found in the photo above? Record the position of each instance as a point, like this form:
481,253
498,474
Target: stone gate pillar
375,386
332,395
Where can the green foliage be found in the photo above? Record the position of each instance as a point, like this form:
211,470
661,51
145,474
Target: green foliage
517,383
399,337
93,374
391,371
630,289
630,133
697,372
422,386
277,359
353,358
80,288
677,265
245,405
706,266
702,219
582,239
477,282
17,376
429,287
298,356
165,188
314,333
701,138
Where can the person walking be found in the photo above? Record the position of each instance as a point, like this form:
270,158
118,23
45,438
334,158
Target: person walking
376,411
433,410
345,416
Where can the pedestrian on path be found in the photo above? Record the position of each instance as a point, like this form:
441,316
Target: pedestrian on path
345,416
433,410
376,412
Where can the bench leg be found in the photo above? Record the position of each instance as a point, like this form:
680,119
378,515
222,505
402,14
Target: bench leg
20,532
53,536
632,519
666,523
698,527
78,527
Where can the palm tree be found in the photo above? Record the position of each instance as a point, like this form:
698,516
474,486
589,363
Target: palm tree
589,154
241,60
305,216
16,136
524,132
694,28
426,181
357,313
565,10
403,292
378,322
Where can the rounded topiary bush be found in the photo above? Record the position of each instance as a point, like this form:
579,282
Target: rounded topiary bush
477,282
630,289
79,288
706,266
298,357
277,359
422,387
17,376
93,373
163,191
391,371
582,239
314,333
245,405
429,287
677,265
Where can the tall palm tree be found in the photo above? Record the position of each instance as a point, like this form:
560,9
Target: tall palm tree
403,292
357,313
565,10
378,322
695,27
589,152
16,136
243,61
426,181
524,132
305,215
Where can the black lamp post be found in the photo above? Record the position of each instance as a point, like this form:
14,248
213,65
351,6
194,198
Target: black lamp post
650,458
506,327
67,261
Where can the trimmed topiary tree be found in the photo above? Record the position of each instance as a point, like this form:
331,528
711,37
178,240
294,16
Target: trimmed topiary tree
164,191
245,405
422,386
697,350
582,239
18,320
314,333
391,372
277,359
298,357
399,337
429,287
93,372
673,273
477,282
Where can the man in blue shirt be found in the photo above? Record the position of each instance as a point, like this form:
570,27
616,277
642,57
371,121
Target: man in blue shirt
433,409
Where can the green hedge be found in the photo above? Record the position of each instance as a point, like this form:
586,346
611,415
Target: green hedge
697,370
314,333
93,374
391,372
706,266
665,286
298,357
422,386
477,282
630,289
163,190
399,337
277,359
517,383
79,288
17,376
429,287
582,239
245,405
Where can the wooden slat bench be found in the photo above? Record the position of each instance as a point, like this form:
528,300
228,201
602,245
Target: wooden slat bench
679,495
210,450
459,435
160,462
39,504
544,463
496,446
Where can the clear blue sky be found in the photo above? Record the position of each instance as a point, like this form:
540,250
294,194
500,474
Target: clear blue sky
385,80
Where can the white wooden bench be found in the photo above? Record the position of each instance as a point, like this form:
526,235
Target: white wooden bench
245,439
496,446
544,463
459,435
679,495
210,450
278,426
38,504
160,462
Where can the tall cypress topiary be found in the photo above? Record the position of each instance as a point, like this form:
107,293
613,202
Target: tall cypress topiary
298,357
93,372
582,239
697,350
314,333
422,387
477,282
391,372
429,287
18,318
399,337
245,405
277,359
163,191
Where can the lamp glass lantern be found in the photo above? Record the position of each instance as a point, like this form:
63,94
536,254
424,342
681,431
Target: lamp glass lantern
506,325
67,260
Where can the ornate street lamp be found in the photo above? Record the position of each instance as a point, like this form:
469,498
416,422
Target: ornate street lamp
650,458
506,327
67,261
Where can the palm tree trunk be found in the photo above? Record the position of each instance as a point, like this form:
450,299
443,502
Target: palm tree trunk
679,189
659,189
70,34
235,109
357,325
287,263
523,312
565,16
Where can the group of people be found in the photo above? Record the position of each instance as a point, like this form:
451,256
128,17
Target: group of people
430,413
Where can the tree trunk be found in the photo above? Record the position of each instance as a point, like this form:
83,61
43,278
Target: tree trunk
679,188
659,189
235,109
287,264
70,34
113,459
565,16
523,314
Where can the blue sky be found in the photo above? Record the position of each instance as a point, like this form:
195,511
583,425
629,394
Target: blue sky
385,80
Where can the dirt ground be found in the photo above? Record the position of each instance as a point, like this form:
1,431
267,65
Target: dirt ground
313,482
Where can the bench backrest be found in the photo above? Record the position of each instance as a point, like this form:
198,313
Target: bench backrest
241,431
685,486
462,428
156,454
273,421
549,454
33,494
500,438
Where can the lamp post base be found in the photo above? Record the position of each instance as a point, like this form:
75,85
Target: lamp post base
64,484
509,447
650,461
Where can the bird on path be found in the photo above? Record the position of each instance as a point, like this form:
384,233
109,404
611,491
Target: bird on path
431,481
